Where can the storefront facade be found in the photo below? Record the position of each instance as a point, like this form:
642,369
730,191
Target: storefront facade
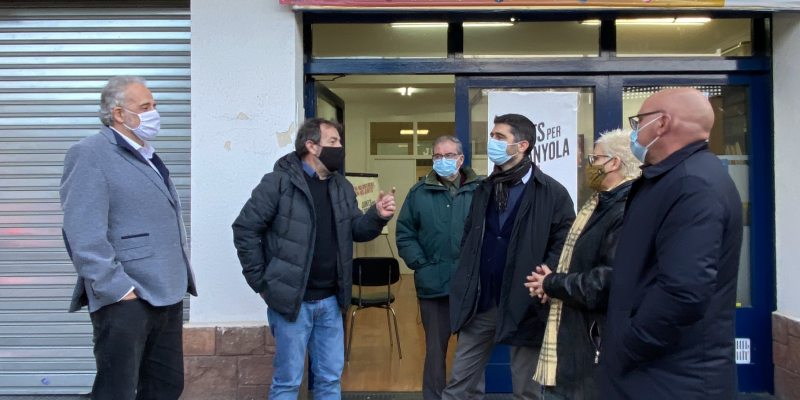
259,67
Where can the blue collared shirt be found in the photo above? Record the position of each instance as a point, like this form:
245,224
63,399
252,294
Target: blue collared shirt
311,172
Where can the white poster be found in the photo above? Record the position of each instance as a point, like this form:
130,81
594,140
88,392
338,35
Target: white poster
555,115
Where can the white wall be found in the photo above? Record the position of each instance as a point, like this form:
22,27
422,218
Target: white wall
246,103
786,53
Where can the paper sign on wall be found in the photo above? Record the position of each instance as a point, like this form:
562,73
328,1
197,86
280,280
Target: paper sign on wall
367,191
555,115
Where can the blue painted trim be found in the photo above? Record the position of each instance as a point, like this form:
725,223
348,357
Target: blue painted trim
310,98
463,125
555,66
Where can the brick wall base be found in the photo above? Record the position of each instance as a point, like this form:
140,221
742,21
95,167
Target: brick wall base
228,362
786,356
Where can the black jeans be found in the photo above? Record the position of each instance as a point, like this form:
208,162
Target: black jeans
139,351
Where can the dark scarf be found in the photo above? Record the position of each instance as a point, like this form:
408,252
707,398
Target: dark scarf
503,180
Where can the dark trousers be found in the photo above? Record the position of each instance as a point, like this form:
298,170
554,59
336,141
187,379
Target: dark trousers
436,322
139,351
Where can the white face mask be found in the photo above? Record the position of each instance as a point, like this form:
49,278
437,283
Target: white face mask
149,124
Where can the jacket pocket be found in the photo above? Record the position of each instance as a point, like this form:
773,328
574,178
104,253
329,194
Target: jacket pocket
134,247
426,280
134,254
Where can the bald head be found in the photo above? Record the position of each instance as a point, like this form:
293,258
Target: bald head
689,110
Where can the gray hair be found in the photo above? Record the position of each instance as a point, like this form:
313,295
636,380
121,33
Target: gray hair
113,96
448,138
617,143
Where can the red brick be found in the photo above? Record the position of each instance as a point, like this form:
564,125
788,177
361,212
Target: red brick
269,338
780,355
259,392
793,356
780,329
210,378
199,341
792,327
255,370
787,385
241,341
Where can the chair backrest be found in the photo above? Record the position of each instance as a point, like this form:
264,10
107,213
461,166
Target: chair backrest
375,271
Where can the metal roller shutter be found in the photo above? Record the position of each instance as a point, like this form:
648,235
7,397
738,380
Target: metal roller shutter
53,64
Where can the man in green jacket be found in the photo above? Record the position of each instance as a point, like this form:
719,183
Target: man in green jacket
429,231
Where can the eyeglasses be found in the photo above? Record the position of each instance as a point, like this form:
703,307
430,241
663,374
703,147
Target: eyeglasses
593,157
636,119
449,156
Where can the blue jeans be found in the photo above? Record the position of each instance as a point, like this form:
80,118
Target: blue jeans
319,328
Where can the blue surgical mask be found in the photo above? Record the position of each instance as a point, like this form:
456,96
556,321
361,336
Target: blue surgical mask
445,168
637,149
496,150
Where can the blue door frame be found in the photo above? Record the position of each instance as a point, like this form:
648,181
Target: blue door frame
608,75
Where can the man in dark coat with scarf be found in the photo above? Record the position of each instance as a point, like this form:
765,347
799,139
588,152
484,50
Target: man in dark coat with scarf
519,219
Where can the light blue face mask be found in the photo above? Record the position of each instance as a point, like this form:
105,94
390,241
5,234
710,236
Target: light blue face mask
637,149
445,168
496,150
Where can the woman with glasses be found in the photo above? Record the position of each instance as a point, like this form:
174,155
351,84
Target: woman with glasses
578,287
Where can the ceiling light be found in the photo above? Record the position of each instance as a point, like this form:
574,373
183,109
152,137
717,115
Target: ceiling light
406,91
692,21
419,25
444,24
591,22
646,21
411,131
486,24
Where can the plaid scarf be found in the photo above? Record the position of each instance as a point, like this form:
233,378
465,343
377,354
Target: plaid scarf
548,358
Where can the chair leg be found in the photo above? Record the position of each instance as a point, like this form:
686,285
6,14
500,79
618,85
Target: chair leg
397,332
350,340
389,322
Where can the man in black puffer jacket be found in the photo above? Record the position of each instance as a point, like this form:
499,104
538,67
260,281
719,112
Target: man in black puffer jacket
294,239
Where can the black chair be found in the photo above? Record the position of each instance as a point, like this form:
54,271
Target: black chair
375,271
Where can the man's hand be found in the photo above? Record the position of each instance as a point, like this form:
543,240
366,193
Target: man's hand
130,296
536,282
386,204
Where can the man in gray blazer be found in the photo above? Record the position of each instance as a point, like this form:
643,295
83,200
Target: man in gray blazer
125,235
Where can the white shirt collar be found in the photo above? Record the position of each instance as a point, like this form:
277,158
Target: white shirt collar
146,151
527,176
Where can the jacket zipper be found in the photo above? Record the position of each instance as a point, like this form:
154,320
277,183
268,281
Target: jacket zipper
596,347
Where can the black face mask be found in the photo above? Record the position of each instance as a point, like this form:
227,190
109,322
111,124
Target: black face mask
332,158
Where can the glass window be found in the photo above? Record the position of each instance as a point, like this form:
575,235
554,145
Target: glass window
730,142
326,110
400,40
531,39
481,124
428,132
391,138
675,37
